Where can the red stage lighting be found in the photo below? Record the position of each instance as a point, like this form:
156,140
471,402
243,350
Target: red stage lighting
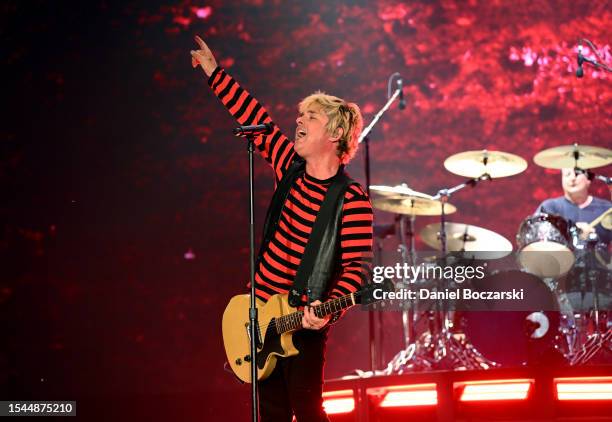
338,402
406,395
515,389
585,388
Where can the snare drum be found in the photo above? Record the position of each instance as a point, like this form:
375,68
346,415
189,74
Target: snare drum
545,245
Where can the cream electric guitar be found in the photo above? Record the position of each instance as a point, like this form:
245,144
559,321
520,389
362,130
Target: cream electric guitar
277,322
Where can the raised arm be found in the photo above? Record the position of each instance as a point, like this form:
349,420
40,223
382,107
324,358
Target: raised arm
275,148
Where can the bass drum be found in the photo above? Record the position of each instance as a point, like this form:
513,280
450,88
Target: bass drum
545,245
512,332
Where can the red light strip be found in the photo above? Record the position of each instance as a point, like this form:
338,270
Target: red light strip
495,390
338,402
592,388
407,395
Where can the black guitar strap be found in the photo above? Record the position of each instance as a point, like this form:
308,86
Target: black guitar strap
336,190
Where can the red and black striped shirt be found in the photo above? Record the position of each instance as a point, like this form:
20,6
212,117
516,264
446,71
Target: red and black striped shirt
281,257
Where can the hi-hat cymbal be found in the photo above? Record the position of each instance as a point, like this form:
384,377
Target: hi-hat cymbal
464,237
570,156
412,205
477,163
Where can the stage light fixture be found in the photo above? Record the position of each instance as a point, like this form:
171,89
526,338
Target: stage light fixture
584,388
517,389
406,395
338,402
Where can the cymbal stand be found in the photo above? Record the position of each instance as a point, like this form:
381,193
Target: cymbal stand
599,339
445,350
409,313
440,349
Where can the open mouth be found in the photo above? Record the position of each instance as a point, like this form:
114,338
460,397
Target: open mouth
300,133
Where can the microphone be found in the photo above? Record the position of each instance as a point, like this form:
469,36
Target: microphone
580,71
400,86
253,130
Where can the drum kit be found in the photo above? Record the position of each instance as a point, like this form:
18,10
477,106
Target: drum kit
443,335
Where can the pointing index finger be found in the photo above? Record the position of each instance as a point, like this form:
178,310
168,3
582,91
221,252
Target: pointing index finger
200,42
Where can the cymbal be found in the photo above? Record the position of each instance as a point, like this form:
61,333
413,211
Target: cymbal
402,189
412,205
476,163
477,239
588,157
607,222
400,199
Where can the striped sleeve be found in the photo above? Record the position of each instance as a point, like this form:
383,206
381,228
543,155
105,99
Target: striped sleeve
275,148
356,242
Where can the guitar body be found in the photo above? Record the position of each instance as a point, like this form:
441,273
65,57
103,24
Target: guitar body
272,345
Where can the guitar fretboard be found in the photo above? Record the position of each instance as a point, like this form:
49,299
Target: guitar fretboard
293,321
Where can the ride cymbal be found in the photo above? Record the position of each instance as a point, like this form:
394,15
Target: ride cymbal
477,163
571,156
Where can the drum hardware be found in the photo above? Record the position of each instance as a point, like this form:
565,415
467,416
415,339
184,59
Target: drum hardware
444,350
405,202
549,243
440,348
478,166
589,274
545,245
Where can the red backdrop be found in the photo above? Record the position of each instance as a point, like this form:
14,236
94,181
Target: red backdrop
117,159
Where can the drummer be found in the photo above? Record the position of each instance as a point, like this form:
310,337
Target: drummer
577,206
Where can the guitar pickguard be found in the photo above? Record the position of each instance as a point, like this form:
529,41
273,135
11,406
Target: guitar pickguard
272,344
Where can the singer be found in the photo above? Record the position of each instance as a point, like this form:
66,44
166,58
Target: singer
326,135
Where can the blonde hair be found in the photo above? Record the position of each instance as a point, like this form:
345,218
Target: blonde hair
341,114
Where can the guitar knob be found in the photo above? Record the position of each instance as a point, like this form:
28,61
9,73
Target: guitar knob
238,361
247,358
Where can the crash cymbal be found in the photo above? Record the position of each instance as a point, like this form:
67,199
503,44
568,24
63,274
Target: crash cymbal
476,163
412,205
402,189
464,237
570,156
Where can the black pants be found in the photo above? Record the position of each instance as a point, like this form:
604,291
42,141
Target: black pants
296,384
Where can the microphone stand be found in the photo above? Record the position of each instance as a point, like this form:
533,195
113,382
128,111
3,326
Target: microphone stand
253,323
592,62
375,358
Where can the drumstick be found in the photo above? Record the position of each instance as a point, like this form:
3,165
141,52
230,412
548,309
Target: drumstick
607,224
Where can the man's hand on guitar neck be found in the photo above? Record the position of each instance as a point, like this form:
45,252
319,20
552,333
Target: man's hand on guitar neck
310,321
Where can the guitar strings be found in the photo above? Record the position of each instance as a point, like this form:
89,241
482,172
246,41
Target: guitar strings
300,314
272,323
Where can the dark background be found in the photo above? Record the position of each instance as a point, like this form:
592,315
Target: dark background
124,211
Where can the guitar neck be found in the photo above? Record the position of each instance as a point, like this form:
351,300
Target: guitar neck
293,321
